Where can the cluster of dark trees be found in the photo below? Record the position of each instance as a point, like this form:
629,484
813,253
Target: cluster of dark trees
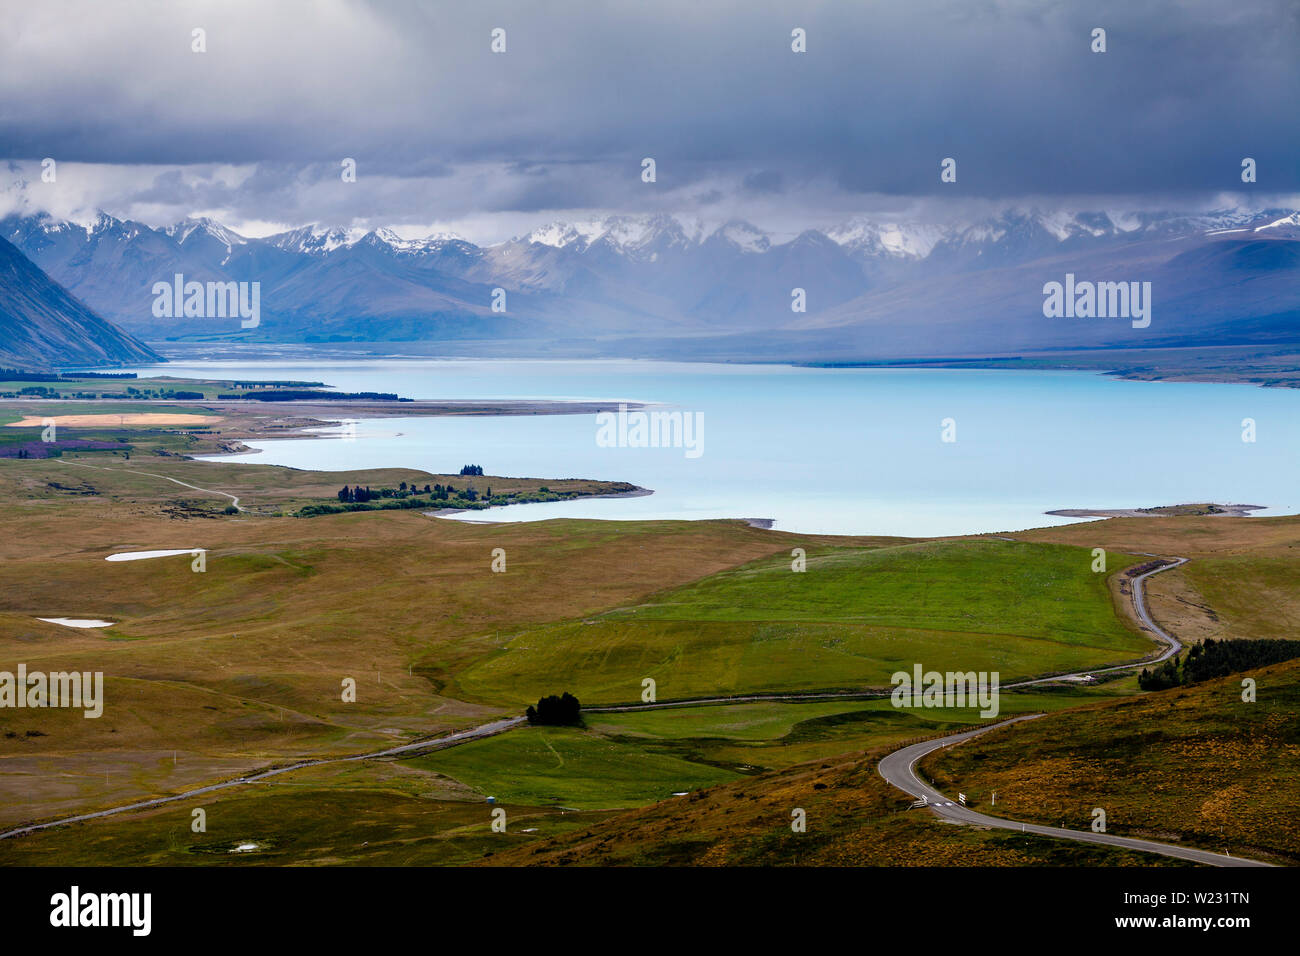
552,711
359,495
412,497
472,470
1217,659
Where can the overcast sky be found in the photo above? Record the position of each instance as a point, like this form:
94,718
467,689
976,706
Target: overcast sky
448,134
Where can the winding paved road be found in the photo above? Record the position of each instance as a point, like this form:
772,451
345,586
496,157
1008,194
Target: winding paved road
899,768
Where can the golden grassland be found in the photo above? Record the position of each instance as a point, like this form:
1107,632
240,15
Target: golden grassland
410,812
241,666
213,674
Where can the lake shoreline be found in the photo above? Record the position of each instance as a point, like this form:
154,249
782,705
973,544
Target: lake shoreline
810,450
450,512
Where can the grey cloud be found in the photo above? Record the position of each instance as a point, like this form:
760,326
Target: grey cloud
1007,87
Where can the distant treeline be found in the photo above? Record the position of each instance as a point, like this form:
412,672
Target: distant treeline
18,375
472,470
357,498
1217,659
361,495
305,394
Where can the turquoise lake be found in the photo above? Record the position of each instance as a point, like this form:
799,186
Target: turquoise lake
836,451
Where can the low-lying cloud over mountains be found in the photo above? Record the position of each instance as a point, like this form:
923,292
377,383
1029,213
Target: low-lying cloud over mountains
671,287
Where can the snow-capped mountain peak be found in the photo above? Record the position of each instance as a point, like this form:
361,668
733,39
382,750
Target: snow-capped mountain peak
429,243
745,236
204,226
182,230
564,234
891,239
315,239
636,236
643,237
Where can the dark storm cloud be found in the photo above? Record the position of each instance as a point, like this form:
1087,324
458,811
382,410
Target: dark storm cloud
712,91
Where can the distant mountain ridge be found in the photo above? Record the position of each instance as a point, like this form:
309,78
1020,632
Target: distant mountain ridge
42,326
663,285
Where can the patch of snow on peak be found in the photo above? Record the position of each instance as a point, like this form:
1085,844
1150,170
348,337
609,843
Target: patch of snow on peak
316,239
561,234
904,240
1284,222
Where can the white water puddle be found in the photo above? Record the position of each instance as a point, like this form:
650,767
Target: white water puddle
141,555
76,621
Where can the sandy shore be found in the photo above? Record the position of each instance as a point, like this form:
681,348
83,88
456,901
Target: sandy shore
106,418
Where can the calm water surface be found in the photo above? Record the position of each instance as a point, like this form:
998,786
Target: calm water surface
838,451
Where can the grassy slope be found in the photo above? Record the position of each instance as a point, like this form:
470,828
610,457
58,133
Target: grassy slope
358,814
1197,765
630,759
1243,579
854,818
851,620
242,665
410,812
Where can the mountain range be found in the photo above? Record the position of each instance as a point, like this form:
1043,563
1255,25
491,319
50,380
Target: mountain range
664,287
